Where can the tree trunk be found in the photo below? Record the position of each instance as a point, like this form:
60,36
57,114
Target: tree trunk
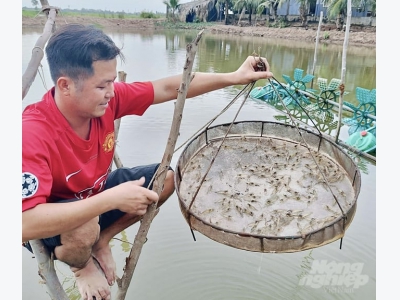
241,15
274,9
287,10
303,15
342,84
339,22
226,12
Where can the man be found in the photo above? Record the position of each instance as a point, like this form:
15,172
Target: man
70,197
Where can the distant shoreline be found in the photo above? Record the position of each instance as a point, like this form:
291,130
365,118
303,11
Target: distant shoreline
365,37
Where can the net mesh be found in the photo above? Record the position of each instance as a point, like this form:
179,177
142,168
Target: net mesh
266,187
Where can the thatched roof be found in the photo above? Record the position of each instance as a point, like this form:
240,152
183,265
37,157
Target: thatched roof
202,10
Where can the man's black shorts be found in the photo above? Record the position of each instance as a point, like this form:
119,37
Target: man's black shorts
116,177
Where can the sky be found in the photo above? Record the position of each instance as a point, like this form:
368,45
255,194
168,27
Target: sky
128,6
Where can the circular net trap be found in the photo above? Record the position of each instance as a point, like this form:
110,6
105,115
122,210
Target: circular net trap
266,187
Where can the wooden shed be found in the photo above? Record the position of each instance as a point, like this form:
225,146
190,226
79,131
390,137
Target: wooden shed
200,10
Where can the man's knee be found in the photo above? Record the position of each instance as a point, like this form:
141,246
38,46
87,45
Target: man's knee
84,236
76,245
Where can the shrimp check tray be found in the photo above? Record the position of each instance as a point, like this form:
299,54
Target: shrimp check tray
266,187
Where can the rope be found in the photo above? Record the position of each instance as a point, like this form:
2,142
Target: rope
206,125
251,85
306,145
38,48
42,77
213,119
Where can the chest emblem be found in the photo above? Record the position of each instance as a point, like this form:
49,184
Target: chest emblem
109,142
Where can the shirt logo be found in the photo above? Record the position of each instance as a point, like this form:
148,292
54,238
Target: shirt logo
108,144
30,185
70,175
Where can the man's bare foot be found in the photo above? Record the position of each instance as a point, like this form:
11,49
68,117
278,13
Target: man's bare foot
91,282
106,261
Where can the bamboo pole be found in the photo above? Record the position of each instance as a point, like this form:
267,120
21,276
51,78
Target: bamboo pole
316,46
117,123
45,262
342,85
38,50
47,271
140,238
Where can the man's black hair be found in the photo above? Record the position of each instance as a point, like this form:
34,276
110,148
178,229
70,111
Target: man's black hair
73,48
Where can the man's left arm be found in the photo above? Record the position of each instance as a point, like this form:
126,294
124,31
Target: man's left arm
166,89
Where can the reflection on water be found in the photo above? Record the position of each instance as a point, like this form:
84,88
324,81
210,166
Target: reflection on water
174,266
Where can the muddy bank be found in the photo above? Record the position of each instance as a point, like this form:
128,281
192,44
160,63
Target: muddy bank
359,36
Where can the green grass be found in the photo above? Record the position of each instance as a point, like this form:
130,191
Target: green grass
97,14
183,25
29,13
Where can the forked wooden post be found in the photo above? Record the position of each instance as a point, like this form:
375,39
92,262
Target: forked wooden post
38,51
316,47
45,261
131,261
117,123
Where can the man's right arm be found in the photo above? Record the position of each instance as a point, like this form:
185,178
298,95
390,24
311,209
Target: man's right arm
50,219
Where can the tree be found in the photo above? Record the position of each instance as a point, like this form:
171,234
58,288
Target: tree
338,9
249,5
35,3
227,5
172,5
273,5
365,5
303,11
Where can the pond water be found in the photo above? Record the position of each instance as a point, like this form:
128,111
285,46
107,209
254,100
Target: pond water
174,266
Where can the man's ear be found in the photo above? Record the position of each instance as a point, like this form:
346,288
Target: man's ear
64,85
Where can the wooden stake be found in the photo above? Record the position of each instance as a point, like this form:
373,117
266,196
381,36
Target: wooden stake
316,47
342,85
38,51
117,123
140,238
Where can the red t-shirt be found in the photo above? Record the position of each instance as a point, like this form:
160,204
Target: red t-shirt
56,163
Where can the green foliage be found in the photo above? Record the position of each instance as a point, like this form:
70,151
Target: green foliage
326,35
183,25
172,6
148,15
282,22
29,13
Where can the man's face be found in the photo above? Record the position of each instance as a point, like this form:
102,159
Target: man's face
91,96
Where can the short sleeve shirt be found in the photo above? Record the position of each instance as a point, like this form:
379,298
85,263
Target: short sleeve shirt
56,162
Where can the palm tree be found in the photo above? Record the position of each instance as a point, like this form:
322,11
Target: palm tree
303,10
35,3
337,9
227,5
249,5
172,5
364,5
273,5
